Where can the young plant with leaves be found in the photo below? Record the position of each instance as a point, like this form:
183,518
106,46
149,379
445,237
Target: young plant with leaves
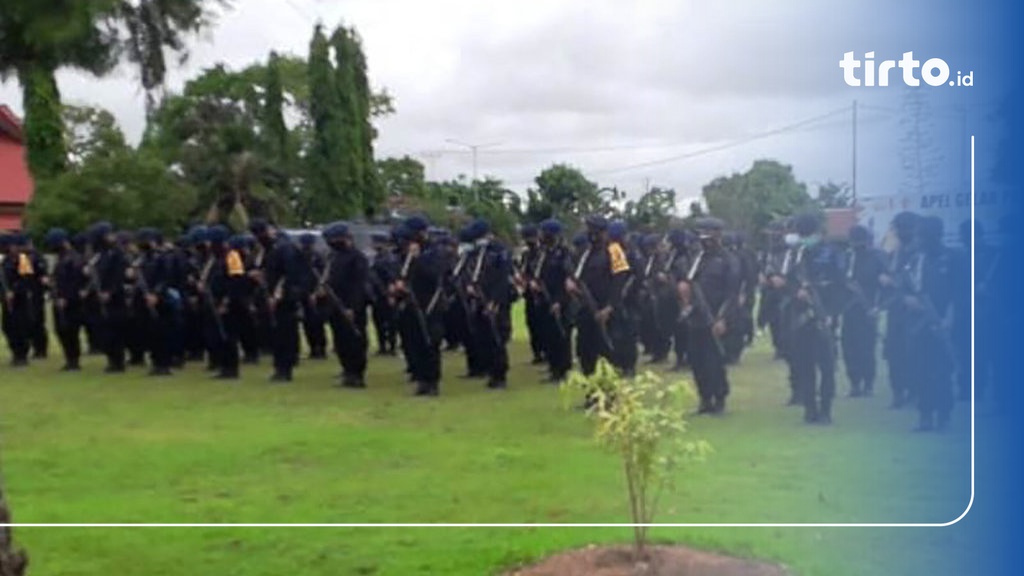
640,419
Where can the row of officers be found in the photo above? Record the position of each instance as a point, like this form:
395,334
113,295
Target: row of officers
690,294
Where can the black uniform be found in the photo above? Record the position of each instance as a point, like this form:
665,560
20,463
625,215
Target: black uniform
534,307
111,269
552,268
229,304
19,280
896,348
933,356
283,273
347,276
70,283
774,265
313,319
153,278
600,275
815,284
491,281
421,326
714,283
467,308
382,273
741,318
859,337
40,285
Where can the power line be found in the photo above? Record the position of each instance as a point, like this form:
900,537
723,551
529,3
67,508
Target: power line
761,135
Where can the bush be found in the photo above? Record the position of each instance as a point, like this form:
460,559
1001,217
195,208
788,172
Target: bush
641,420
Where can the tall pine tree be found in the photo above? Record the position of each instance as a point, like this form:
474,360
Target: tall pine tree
325,197
373,191
345,83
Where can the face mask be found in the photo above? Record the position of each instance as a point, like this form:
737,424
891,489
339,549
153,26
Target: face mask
810,240
791,239
483,242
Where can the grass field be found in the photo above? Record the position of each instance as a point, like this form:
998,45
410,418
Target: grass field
95,448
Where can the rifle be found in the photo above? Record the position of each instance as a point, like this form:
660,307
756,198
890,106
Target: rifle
204,279
546,294
143,285
332,296
421,318
589,302
460,293
702,303
931,318
94,282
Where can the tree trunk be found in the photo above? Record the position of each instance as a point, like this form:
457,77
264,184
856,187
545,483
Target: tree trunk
12,561
44,127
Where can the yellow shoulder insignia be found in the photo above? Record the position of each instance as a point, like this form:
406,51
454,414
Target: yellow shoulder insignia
618,258
25,265
234,262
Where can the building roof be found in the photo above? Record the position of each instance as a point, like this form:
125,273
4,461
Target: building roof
10,125
16,186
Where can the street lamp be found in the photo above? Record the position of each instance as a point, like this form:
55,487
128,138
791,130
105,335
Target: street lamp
473,148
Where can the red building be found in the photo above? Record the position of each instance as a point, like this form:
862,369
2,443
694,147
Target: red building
15,181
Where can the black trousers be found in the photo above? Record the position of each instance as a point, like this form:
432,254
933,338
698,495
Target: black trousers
40,335
423,350
285,337
137,339
384,325
492,338
68,325
159,331
591,344
113,326
708,365
248,336
557,332
18,327
234,322
932,372
350,344
859,339
534,311
473,343
898,356
313,326
813,364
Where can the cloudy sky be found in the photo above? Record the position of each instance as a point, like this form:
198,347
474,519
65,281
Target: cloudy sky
634,93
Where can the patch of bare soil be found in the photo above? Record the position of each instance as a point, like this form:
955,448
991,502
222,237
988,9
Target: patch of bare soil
661,561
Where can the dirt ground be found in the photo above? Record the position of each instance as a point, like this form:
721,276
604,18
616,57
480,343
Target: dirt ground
662,561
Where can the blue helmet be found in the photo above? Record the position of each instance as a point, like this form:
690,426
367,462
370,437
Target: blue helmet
307,239
650,241
335,231
528,231
551,227
218,234
617,230
597,222
237,242
478,229
580,240
416,224
806,224
55,237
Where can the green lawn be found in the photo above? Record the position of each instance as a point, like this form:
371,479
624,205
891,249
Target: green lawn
92,448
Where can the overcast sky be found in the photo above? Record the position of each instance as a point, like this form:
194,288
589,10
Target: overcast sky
553,80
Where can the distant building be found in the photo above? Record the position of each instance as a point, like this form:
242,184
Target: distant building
15,180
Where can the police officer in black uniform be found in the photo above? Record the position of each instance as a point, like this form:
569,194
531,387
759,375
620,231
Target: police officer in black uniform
674,268
152,310
281,275
383,271
226,293
19,280
596,283
313,320
815,282
865,264
928,298
111,270
490,286
69,283
708,292
626,322
418,291
534,309
343,289
897,337
40,285
547,285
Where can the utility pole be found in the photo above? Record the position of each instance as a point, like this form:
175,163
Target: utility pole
853,189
